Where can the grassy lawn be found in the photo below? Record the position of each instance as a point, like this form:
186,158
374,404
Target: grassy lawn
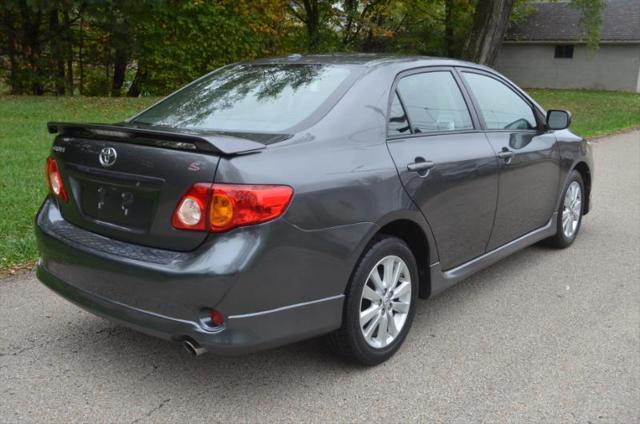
25,143
594,112
24,146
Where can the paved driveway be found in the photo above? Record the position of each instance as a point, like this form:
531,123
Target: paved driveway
543,336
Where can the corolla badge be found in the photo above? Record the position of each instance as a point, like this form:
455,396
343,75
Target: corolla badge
108,156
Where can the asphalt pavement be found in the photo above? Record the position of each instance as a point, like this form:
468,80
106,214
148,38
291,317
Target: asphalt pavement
543,336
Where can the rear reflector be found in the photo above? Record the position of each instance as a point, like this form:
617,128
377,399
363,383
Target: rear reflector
54,180
221,207
217,319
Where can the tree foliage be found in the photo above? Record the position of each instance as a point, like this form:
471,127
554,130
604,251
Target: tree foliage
124,47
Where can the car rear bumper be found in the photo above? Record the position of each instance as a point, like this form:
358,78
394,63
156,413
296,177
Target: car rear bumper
240,334
163,294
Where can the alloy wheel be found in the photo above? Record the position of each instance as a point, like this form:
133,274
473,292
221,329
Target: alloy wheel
385,301
572,209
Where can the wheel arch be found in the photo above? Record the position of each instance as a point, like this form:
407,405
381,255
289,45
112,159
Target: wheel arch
412,234
585,172
417,234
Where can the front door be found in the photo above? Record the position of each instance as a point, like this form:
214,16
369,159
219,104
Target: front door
446,165
529,163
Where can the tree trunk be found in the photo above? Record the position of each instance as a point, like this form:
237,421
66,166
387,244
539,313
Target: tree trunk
350,10
81,55
69,50
13,74
448,28
119,70
31,31
136,85
313,24
490,22
10,33
56,52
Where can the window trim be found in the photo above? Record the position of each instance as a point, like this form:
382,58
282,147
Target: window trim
538,114
404,110
475,121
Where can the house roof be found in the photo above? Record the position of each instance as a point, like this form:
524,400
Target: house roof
560,21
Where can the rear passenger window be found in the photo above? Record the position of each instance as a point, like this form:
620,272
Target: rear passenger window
434,102
398,122
500,106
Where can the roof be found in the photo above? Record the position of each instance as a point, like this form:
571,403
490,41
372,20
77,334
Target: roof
364,59
560,21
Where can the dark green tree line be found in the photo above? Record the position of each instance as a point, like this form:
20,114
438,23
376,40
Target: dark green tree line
124,47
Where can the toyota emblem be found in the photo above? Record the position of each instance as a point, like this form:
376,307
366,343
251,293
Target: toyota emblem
108,156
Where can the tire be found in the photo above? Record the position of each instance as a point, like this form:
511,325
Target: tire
564,238
385,252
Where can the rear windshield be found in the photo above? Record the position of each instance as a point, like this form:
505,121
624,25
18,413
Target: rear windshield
271,97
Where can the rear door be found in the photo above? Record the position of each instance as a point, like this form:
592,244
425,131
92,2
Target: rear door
529,161
445,163
128,191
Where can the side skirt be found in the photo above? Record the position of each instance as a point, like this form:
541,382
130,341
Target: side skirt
441,280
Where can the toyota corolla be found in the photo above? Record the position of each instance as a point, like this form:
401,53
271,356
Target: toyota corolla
281,199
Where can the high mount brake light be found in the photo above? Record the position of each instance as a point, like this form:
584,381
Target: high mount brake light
54,180
221,207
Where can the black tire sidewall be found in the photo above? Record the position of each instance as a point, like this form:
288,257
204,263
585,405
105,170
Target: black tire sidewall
384,247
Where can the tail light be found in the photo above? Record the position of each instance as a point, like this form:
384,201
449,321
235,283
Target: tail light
54,179
221,207
191,212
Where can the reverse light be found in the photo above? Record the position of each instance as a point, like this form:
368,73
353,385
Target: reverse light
221,207
192,208
54,180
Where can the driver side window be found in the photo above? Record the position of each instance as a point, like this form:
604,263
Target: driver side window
500,106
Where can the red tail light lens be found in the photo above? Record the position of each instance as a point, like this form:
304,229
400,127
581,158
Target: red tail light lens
54,179
221,207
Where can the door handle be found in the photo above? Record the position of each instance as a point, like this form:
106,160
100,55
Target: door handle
420,165
506,155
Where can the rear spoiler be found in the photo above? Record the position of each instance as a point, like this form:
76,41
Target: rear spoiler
215,143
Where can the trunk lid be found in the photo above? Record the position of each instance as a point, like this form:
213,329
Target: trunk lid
125,183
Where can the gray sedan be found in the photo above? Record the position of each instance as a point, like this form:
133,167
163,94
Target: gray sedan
281,199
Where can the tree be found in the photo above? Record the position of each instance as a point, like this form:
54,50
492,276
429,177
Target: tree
591,20
490,21
308,12
154,46
491,18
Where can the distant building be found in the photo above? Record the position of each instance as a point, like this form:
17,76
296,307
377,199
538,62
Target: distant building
548,51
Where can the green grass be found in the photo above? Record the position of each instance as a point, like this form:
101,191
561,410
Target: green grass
594,113
24,146
25,143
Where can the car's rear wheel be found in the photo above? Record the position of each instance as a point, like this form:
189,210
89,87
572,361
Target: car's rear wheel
569,212
380,303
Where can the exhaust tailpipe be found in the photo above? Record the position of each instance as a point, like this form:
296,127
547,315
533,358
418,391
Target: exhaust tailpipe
194,348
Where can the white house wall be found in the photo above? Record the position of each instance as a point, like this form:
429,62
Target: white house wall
612,67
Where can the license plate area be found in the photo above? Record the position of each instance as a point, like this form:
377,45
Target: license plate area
125,206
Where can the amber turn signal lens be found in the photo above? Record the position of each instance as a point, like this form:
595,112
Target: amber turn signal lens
221,211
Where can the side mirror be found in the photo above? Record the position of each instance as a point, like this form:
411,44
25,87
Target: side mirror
558,119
